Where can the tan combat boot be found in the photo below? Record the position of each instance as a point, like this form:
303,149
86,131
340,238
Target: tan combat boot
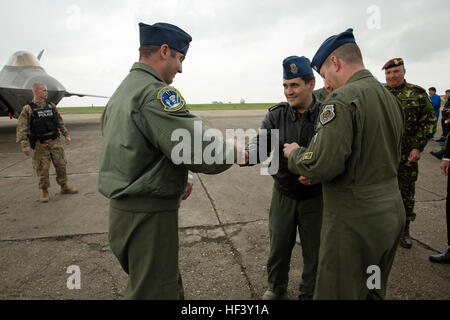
45,196
65,189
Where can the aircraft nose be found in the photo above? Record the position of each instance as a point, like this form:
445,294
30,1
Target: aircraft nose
51,83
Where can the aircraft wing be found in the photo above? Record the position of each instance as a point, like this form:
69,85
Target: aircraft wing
70,94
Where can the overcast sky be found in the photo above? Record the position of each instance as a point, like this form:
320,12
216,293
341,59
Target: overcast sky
238,45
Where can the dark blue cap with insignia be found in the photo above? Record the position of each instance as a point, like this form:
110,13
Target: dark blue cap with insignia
295,67
331,44
164,33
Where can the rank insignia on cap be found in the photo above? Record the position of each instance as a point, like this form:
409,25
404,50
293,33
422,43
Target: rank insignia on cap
328,114
294,69
171,99
307,156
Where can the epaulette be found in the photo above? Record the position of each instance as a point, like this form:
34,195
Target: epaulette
415,86
281,104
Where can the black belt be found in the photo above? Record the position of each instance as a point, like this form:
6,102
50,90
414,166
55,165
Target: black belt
42,139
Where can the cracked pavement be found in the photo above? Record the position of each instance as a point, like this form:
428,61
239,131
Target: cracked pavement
223,227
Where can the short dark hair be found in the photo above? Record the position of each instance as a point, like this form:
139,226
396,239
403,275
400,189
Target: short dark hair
308,78
432,89
349,52
147,51
448,90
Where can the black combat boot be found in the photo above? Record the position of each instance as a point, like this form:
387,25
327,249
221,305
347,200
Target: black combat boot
406,241
441,258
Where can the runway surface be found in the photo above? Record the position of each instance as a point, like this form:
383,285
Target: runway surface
224,239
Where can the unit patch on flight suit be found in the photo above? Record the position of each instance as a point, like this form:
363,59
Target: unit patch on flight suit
171,99
307,156
328,114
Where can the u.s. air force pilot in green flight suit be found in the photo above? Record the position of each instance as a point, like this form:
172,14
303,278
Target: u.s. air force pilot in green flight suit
137,171
355,155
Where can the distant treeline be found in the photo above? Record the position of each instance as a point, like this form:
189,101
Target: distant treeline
231,106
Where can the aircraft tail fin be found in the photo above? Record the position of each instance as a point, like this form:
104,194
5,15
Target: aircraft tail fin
40,55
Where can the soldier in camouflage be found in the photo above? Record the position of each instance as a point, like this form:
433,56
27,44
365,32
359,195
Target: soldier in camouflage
420,126
322,93
38,127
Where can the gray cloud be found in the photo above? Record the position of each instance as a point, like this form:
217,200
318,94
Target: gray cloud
238,46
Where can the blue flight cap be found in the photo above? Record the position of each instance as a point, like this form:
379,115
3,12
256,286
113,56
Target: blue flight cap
164,33
296,67
329,45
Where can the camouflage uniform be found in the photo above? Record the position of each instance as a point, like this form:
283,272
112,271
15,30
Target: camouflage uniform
420,126
44,152
321,94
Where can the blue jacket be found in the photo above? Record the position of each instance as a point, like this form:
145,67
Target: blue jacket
436,101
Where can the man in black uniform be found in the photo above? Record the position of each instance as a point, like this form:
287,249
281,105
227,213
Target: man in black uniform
445,257
294,203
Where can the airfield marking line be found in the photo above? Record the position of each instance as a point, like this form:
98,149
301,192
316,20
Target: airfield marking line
436,194
14,164
425,201
215,226
72,236
236,254
55,238
425,246
51,175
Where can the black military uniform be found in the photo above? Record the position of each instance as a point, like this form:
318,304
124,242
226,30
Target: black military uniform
445,257
293,204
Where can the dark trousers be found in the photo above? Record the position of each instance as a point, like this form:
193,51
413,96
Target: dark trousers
447,209
286,215
445,127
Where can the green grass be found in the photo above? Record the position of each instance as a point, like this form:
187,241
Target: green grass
232,106
80,110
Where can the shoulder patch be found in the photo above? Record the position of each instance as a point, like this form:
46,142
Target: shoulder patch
328,114
281,104
308,156
171,99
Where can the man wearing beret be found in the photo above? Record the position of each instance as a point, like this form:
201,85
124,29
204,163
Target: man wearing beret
294,204
137,172
420,126
355,154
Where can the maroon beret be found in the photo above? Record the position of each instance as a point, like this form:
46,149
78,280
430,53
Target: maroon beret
393,63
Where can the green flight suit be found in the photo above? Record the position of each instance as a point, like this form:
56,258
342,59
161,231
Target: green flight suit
145,183
285,216
355,155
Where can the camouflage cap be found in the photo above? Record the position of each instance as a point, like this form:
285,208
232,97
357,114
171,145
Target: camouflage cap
393,63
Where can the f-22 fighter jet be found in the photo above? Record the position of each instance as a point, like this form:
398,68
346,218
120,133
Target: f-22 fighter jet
17,78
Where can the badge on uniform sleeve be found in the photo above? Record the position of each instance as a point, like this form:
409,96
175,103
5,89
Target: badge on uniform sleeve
307,156
171,99
328,114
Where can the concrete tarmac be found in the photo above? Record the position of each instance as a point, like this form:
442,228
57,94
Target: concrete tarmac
224,241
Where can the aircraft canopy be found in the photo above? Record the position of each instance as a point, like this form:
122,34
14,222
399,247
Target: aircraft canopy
23,59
